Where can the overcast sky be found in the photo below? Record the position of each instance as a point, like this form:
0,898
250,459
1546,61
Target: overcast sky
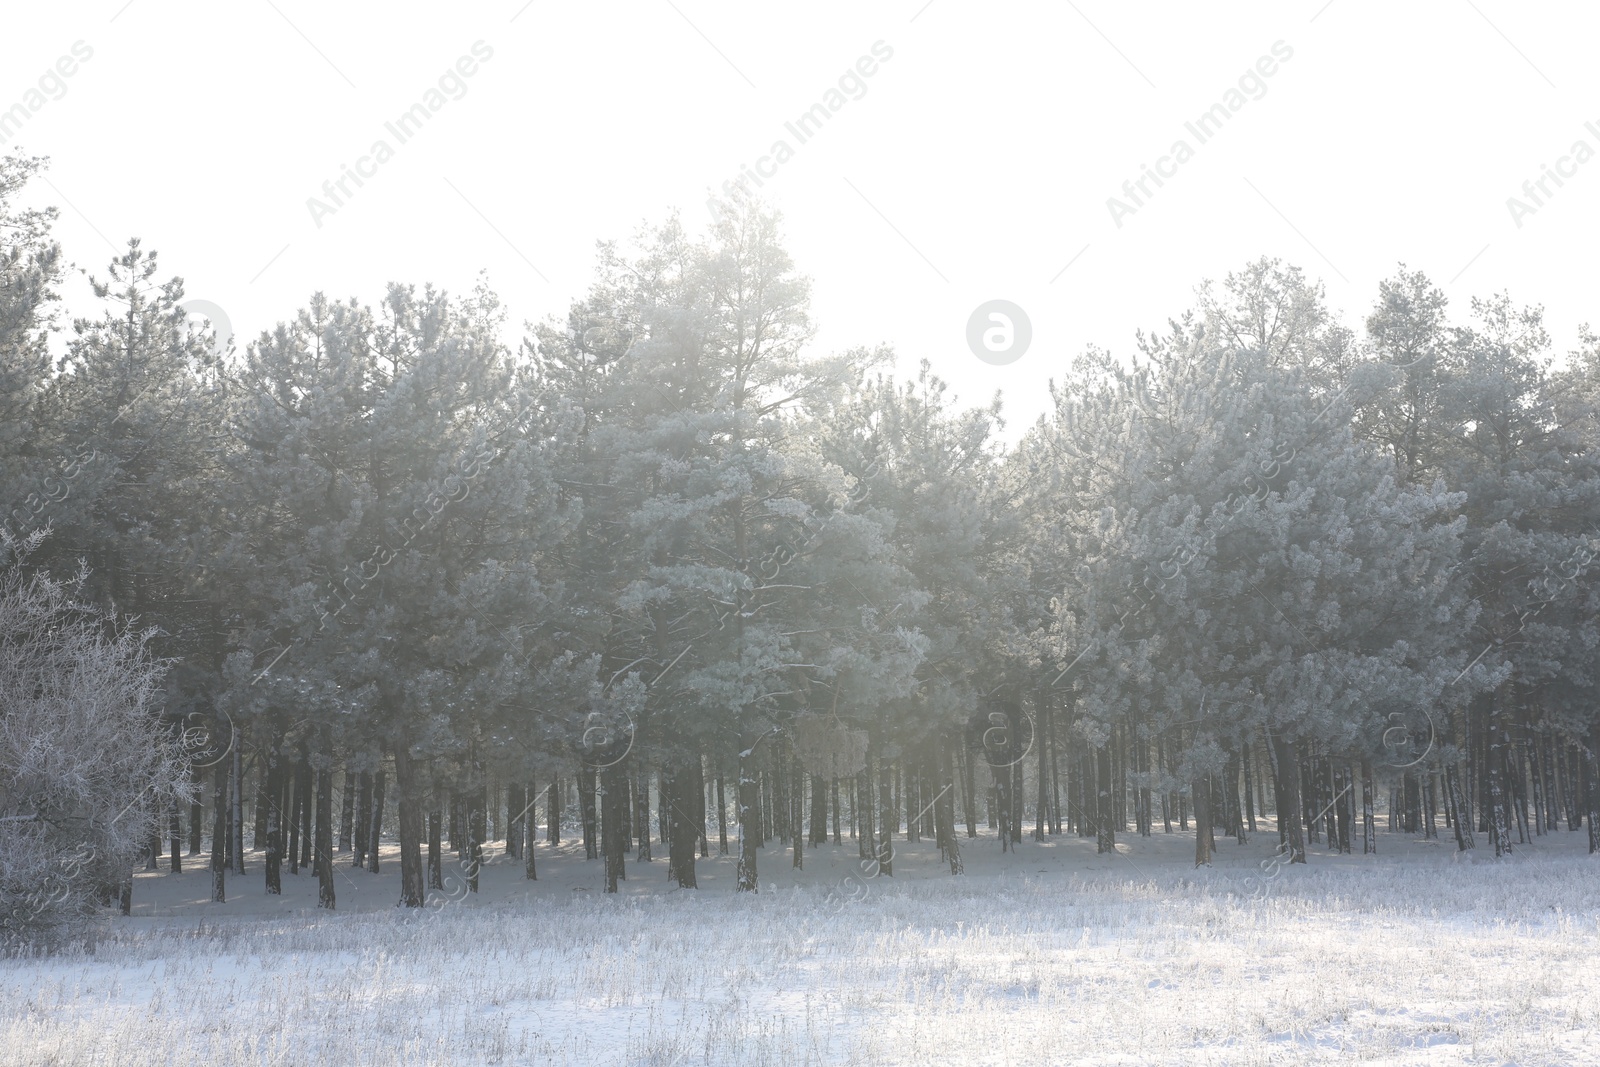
974,163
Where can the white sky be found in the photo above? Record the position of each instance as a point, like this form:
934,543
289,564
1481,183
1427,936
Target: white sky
990,142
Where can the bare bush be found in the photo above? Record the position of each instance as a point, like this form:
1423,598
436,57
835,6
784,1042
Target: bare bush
86,764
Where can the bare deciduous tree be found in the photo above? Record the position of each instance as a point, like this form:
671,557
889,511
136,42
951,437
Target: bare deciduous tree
87,765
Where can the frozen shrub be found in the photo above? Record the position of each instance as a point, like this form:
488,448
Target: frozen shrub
87,765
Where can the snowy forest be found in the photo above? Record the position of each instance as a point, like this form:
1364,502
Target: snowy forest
659,576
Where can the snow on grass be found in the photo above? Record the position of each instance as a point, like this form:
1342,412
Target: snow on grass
1052,955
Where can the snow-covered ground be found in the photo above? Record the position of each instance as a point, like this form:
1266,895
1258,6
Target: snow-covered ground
1052,955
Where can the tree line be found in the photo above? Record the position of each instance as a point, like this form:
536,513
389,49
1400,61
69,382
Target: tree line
662,561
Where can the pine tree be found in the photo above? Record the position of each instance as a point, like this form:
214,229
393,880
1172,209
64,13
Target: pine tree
1247,565
38,464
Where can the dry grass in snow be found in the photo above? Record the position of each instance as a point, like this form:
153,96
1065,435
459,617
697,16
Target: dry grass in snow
1050,956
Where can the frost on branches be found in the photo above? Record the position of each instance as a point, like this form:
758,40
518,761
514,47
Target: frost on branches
87,765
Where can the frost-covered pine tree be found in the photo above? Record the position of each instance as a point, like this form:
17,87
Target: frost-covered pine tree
951,523
1247,566
397,501
36,465
721,540
1522,454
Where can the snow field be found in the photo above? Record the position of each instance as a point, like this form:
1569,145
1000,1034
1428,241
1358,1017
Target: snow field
1050,956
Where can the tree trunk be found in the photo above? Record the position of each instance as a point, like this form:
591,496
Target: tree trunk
263,801
552,813
491,792
1286,780
347,808
292,807
969,789
797,810
175,833
219,832
1516,773
947,806
897,798
1591,771
614,800
273,790
1000,816
641,809
475,830
516,808
1572,785
855,807
197,818
763,813
1339,835
1460,817
722,819
1053,740
662,829
530,824
1499,815
363,818
1310,790
1106,838
861,814
1538,785
1229,798
586,809
703,806
307,803
694,794
886,814
236,839
747,878
375,834
1041,806
819,811
833,805
435,848
324,838
227,826
683,796
1248,770
408,801
1204,843
1369,826
1018,754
